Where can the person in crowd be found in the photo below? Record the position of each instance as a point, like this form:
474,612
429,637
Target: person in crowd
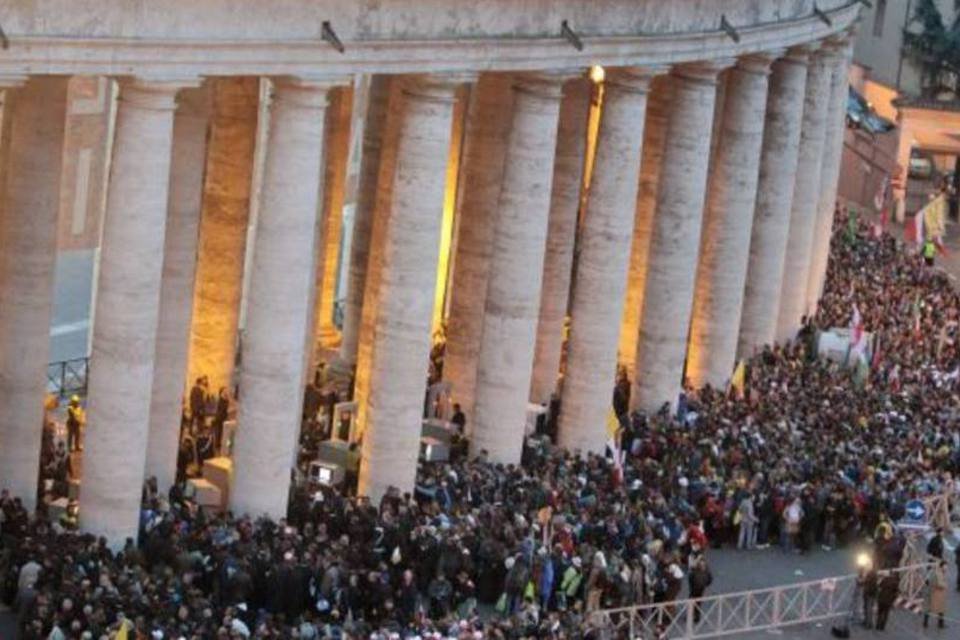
198,402
748,523
887,589
75,422
220,418
700,578
936,600
459,419
929,252
956,560
867,581
822,454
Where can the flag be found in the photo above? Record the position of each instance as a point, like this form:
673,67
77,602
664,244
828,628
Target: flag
880,197
934,217
852,227
613,424
739,379
880,226
857,348
941,248
913,232
875,361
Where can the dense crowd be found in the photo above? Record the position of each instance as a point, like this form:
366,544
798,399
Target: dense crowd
812,453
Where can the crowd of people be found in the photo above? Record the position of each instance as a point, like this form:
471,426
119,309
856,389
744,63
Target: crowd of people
812,453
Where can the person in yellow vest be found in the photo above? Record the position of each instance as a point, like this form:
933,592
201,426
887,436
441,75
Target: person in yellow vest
929,251
75,420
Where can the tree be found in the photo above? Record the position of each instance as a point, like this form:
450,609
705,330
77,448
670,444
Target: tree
934,48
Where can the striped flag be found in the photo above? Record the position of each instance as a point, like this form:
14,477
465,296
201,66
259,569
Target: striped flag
913,232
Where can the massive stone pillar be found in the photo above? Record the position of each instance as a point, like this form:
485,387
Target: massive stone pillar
675,241
725,245
806,196
516,270
373,134
651,159
223,230
838,62
485,144
378,238
561,233
401,349
771,218
128,302
326,334
176,289
602,265
278,312
32,146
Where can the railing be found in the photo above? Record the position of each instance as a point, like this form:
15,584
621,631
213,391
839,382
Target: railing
943,510
68,377
746,611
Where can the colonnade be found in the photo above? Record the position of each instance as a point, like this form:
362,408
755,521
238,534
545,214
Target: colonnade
694,245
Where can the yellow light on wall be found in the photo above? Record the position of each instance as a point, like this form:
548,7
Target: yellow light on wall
449,208
597,73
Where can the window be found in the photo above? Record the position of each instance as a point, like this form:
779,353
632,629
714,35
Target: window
879,13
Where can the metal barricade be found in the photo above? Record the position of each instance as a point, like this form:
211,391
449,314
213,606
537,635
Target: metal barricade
68,377
747,611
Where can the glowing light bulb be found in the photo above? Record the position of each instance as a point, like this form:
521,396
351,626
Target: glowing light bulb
597,73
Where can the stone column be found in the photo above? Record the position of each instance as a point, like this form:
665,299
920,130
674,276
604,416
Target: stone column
516,270
223,230
284,262
725,245
651,159
128,304
401,349
373,132
326,334
603,261
176,288
485,144
568,168
32,146
838,61
675,241
378,234
771,218
806,196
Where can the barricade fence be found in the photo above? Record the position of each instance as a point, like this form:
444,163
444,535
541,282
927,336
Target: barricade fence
746,611
943,510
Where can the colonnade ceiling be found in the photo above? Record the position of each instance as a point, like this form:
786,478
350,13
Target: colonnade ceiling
251,37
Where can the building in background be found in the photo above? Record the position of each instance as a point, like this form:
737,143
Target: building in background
919,156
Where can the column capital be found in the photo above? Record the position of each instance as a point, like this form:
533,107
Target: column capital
440,87
759,63
705,71
834,48
634,79
801,53
154,93
545,84
12,81
305,92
